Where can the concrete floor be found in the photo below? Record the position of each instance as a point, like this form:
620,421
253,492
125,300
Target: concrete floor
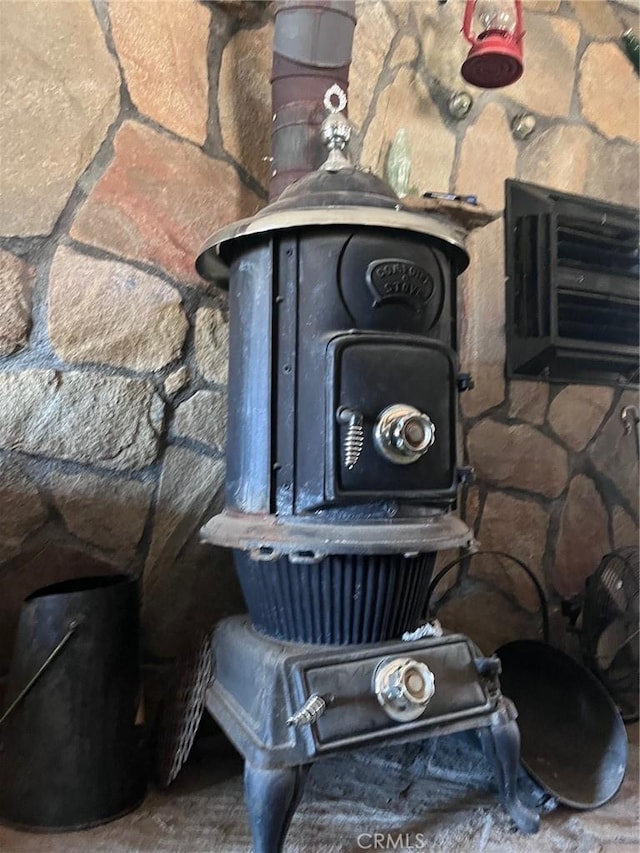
410,791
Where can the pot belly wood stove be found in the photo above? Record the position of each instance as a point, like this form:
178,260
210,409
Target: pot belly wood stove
341,477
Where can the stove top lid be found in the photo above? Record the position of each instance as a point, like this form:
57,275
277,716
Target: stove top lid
349,198
337,193
324,188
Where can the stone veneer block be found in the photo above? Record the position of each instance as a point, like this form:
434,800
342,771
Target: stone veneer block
489,389
406,103
487,157
244,100
597,18
583,537
246,11
406,51
202,417
614,173
111,313
195,593
158,201
174,93
177,380
188,486
471,506
104,511
608,88
519,527
625,529
528,401
59,92
443,46
482,340
212,345
550,51
577,411
488,616
547,7
450,579
21,507
517,456
627,14
107,421
614,453
199,590
16,288
371,43
560,157
483,289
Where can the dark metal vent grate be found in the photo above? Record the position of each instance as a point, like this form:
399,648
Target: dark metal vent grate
573,303
597,246
593,318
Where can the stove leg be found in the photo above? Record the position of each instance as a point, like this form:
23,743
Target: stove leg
271,797
501,743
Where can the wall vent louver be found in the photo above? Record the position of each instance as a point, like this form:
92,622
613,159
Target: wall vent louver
572,287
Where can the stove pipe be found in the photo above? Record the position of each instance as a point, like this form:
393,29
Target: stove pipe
311,52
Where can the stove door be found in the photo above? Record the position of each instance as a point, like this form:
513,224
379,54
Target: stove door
392,404
354,714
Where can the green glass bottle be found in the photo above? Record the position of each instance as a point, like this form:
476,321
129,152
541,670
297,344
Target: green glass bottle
631,45
398,166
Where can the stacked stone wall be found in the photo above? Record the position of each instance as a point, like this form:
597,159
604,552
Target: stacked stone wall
130,131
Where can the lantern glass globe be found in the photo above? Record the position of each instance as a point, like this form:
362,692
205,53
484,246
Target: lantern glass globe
492,15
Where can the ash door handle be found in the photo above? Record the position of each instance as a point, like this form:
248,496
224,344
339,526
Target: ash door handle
354,436
313,708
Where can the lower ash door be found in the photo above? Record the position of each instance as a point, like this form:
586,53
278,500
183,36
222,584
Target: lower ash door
356,714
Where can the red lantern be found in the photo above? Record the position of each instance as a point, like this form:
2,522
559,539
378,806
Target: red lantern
495,58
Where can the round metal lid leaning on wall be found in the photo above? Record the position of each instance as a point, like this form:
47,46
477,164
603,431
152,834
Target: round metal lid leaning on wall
573,740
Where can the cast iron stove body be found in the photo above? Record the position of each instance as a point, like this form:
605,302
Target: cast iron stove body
341,476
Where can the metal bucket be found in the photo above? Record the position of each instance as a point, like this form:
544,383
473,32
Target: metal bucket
70,750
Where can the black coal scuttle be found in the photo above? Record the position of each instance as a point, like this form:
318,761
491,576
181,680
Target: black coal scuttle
341,474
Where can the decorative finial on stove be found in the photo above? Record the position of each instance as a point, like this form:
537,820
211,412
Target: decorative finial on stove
336,130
